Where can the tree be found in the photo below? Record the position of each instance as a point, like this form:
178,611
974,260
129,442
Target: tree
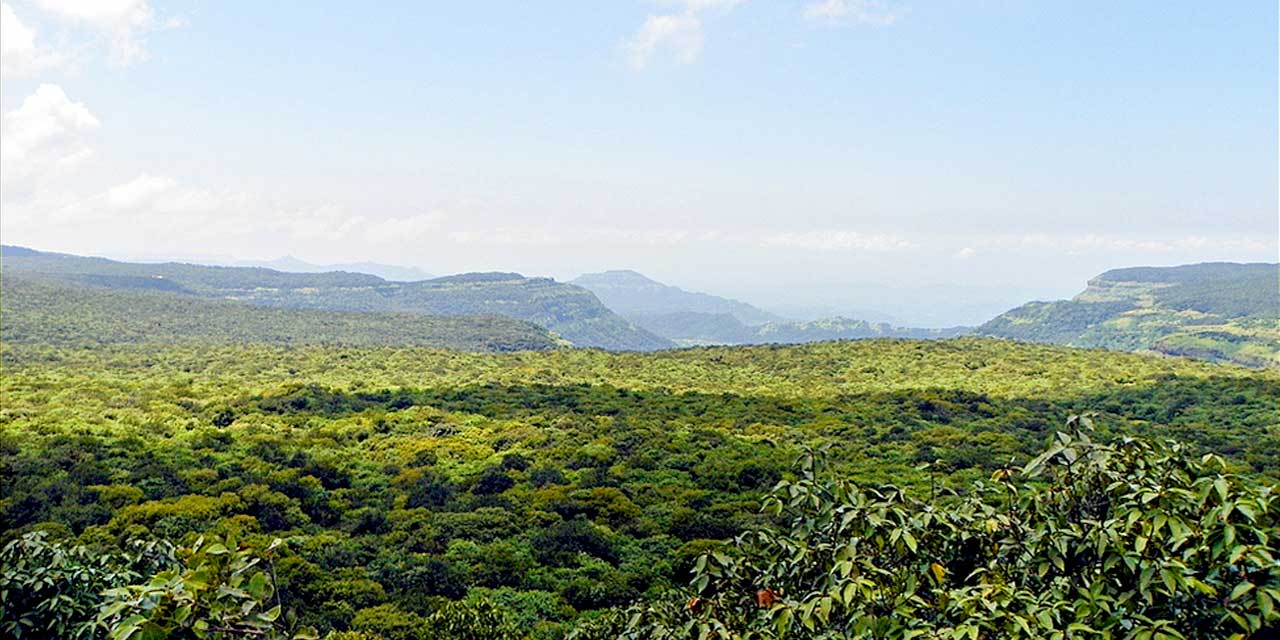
1134,539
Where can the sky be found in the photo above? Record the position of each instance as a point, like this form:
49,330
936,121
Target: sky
815,152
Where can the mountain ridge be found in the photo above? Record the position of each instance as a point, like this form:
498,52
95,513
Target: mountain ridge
572,312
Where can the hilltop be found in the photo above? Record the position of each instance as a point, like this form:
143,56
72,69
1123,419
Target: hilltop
570,311
1221,312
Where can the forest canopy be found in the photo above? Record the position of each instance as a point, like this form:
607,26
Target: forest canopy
411,485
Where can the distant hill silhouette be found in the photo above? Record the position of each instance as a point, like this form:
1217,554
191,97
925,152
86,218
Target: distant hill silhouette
690,318
633,294
394,273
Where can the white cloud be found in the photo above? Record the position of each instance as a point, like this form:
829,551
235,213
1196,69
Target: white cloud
508,235
851,12
393,230
835,239
681,32
43,135
124,22
151,211
966,253
19,53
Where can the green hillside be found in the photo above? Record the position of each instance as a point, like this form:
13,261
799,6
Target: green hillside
40,310
407,482
1220,312
571,312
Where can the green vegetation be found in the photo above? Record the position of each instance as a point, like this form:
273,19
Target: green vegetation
416,489
40,310
1219,312
571,312
1127,540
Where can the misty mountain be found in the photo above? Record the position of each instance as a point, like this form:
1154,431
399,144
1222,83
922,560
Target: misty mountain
1222,312
689,318
633,295
572,312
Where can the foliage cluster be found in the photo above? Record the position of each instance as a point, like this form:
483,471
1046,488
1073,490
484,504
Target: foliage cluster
1133,539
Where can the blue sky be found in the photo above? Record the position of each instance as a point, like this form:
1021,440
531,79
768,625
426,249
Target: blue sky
766,149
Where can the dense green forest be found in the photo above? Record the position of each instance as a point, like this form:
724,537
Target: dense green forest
413,489
570,311
1220,312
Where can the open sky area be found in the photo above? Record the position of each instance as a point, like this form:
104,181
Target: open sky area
808,152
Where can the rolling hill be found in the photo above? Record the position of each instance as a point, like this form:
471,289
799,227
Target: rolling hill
40,310
1221,312
570,311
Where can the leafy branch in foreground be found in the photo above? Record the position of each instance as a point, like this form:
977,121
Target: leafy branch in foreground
52,590
219,591
1132,539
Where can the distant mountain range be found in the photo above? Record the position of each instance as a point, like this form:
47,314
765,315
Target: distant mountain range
570,311
291,264
690,318
1222,312
633,294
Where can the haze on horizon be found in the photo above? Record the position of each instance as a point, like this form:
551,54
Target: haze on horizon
776,152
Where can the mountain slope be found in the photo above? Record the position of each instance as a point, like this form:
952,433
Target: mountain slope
572,312
45,310
633,294
1221,312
